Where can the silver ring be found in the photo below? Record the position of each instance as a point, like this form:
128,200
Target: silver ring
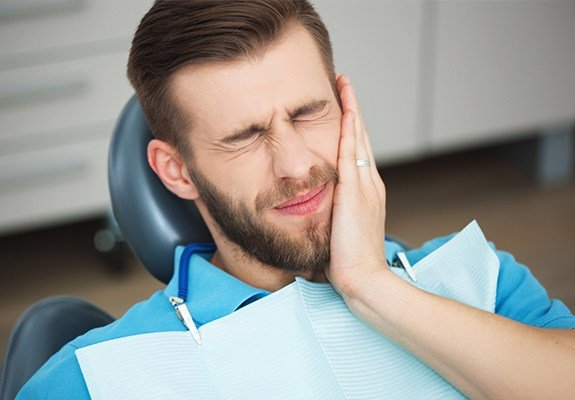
362,163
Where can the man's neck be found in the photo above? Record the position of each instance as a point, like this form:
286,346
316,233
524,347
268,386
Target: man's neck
254,273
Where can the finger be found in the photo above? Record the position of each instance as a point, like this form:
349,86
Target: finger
346,158
363,151
349,100
375,176
352,103
374,173
342,79
373,165
368,149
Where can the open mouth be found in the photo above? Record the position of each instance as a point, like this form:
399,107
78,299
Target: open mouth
304,204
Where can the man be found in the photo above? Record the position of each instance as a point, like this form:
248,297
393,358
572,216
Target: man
252,123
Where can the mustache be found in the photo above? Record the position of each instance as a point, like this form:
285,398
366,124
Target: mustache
286,189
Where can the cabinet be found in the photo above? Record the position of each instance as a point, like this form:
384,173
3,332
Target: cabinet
431,76
500,69
62,86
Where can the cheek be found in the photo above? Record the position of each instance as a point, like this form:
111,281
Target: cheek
246,180
233,180
324,142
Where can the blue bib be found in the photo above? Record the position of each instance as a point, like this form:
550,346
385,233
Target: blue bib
300,342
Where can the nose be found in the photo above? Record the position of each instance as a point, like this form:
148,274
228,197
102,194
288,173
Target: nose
292,158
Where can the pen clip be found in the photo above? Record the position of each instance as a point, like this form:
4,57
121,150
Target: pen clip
185,316
406,265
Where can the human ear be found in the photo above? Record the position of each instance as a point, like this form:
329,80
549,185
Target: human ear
171,169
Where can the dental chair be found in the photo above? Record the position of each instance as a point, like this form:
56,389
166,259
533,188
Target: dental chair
153,221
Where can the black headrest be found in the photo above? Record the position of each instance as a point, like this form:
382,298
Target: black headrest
153,220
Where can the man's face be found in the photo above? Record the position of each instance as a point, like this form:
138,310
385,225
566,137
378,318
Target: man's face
264,140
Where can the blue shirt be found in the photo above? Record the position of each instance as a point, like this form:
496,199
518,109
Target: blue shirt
213,294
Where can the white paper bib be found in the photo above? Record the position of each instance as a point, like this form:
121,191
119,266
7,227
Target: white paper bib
300,342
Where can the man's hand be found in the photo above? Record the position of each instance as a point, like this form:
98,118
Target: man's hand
358,217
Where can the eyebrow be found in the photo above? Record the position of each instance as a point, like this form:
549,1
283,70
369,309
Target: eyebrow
309,108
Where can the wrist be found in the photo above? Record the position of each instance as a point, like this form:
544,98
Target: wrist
361,282
376,295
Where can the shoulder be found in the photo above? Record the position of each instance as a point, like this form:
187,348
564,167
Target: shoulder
61,377
519,296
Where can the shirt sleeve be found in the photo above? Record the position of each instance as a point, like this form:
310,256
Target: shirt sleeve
60,378
520,296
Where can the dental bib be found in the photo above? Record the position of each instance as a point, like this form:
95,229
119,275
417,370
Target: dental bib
300,342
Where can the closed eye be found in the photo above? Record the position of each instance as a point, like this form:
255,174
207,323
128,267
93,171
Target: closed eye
311,118
252,145
246,143
313,108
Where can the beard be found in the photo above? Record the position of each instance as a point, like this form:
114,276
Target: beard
268,244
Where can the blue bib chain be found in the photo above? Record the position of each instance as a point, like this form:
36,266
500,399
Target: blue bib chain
183,268
179,302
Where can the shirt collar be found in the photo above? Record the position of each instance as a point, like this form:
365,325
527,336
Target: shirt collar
212,292
391,250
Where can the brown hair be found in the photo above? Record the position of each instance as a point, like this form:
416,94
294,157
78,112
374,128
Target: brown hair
178,33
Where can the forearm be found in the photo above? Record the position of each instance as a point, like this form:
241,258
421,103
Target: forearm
482,354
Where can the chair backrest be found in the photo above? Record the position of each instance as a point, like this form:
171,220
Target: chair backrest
152,219
40,332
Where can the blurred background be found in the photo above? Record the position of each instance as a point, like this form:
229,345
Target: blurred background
470,106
